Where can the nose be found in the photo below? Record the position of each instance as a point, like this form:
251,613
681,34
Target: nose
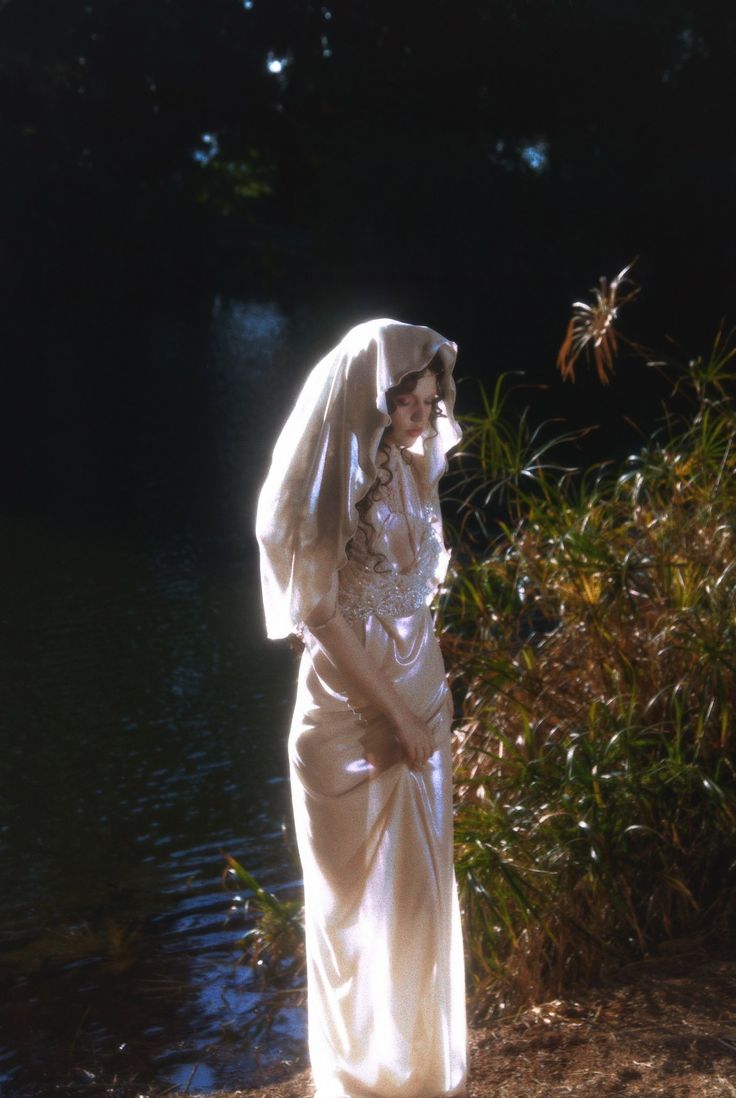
417,414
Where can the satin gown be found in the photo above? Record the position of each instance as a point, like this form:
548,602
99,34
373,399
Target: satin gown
386,998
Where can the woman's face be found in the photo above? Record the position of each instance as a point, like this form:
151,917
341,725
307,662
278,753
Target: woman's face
411,415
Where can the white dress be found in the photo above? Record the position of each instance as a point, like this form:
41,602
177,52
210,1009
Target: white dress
386,993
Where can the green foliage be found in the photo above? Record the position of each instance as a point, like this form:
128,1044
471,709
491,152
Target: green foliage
590,630
275,943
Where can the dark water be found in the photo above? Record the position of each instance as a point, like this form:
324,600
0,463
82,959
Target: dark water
144,715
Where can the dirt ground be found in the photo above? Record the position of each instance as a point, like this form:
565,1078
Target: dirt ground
666,1026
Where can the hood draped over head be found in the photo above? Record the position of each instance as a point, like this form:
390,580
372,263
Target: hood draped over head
324,461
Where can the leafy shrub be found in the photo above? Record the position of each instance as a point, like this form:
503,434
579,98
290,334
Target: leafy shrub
590,633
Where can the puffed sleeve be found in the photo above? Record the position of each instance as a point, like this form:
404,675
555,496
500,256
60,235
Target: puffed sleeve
323,464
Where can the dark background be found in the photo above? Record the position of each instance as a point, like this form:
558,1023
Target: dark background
472,166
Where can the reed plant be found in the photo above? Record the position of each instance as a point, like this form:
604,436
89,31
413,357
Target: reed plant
589,626
273,944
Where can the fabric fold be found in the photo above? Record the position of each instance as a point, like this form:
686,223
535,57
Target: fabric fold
385,973
324,461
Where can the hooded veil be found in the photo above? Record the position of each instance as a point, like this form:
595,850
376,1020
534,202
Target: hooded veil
324,461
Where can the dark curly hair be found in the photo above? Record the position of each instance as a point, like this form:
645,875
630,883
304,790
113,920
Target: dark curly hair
407,384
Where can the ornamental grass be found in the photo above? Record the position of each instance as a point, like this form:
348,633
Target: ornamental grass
589,628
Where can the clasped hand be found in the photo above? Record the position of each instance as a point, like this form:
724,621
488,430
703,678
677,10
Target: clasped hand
407,737
367,682
415,737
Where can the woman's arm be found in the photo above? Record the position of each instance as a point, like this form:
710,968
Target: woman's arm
338,641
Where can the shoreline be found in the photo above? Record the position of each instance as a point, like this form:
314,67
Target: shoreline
665,1026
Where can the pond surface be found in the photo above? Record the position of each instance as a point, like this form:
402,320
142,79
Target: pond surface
144,714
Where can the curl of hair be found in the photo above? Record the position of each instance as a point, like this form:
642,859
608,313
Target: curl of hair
407,385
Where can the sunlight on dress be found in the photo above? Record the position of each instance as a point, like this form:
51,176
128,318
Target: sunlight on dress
385,975
384,952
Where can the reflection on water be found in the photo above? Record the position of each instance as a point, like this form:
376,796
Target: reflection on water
144,728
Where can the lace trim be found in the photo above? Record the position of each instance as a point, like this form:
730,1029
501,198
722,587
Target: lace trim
363,592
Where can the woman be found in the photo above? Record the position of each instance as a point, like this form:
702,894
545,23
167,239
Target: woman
351,553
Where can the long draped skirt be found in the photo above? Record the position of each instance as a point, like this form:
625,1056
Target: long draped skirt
386,997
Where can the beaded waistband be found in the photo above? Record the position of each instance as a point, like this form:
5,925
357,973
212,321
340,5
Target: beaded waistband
363,591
